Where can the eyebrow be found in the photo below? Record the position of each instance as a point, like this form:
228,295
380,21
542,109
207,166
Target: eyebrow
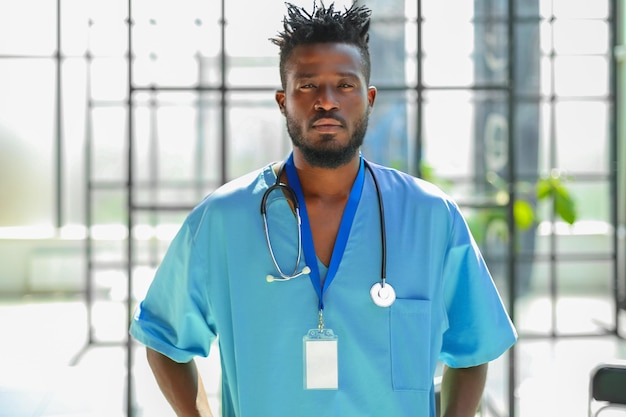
312,75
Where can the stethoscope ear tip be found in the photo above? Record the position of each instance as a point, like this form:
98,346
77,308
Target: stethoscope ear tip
269,278
306,270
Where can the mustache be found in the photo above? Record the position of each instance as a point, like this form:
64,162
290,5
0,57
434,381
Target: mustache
327,115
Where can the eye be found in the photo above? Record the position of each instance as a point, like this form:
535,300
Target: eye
307,86
346,86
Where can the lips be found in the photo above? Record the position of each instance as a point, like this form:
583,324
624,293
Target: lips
327,123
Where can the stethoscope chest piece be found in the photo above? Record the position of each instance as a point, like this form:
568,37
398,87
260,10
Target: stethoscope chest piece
382,295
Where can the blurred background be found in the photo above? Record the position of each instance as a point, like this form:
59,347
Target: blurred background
515,108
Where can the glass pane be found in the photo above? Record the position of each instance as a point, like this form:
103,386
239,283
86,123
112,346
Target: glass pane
527,138
457,10
256,132
582,142
254,72
387,50
209,131
410,10
547,81
489,229
592,203
108,244
546,37
175,141
108,33
108,157
448,56
410,54
176,148
534,307
169,71
496,394
581,8
391,9
584,304
159,228
111,10
491,130
109,318
570,70
28,158
109,208
491,58
255,42
108,36
28,27
440,136
109,79
74,27
587,235
527,9
527,59
581,37
546,139
186,59
74,97
390,140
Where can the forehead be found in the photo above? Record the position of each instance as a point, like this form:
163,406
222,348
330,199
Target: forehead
323,59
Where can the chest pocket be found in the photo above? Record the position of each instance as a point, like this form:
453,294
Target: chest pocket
410,322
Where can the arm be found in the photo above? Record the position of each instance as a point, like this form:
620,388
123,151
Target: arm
461,390
181,384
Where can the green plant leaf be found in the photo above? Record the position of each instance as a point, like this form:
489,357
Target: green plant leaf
565,207
428,173
523,213
544,187
477,228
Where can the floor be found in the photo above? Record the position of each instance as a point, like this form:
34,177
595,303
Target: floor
41,339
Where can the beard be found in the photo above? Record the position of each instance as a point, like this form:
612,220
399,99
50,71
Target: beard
329,154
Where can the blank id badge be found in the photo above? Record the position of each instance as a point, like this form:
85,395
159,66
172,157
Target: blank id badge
320,360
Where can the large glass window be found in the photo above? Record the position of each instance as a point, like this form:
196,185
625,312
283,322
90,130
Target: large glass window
480,99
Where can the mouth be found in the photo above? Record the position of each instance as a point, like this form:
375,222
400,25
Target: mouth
327,125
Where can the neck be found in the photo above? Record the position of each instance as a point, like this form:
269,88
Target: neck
319,182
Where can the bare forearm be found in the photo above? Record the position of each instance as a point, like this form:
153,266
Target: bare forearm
461,390
181,385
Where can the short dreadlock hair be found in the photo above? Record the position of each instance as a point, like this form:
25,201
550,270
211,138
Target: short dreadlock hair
324,25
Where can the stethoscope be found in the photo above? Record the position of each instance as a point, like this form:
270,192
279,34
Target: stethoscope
382,293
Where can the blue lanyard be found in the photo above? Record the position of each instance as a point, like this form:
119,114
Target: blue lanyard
342,235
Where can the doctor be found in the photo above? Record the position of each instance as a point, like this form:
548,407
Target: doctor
320,344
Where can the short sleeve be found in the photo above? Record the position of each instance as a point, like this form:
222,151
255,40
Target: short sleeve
479,327
174,318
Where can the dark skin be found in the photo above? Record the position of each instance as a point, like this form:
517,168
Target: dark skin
320,77
181,385
461,390
325,77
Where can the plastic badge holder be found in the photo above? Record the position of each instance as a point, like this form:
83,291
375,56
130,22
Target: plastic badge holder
320,360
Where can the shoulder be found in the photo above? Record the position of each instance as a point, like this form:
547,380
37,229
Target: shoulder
406,187
232,198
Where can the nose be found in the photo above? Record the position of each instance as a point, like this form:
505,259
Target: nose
326,100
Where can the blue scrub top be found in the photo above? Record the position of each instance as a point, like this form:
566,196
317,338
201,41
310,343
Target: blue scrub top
212,282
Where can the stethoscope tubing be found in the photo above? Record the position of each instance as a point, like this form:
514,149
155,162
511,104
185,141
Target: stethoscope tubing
383,231
296,207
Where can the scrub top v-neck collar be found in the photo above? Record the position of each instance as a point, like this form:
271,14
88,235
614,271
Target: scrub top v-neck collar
342,235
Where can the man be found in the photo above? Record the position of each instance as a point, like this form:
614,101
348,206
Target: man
334,337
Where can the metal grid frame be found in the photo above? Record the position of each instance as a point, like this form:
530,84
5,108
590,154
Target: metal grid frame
420,88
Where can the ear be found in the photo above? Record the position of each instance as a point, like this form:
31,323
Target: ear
371,96
280,99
